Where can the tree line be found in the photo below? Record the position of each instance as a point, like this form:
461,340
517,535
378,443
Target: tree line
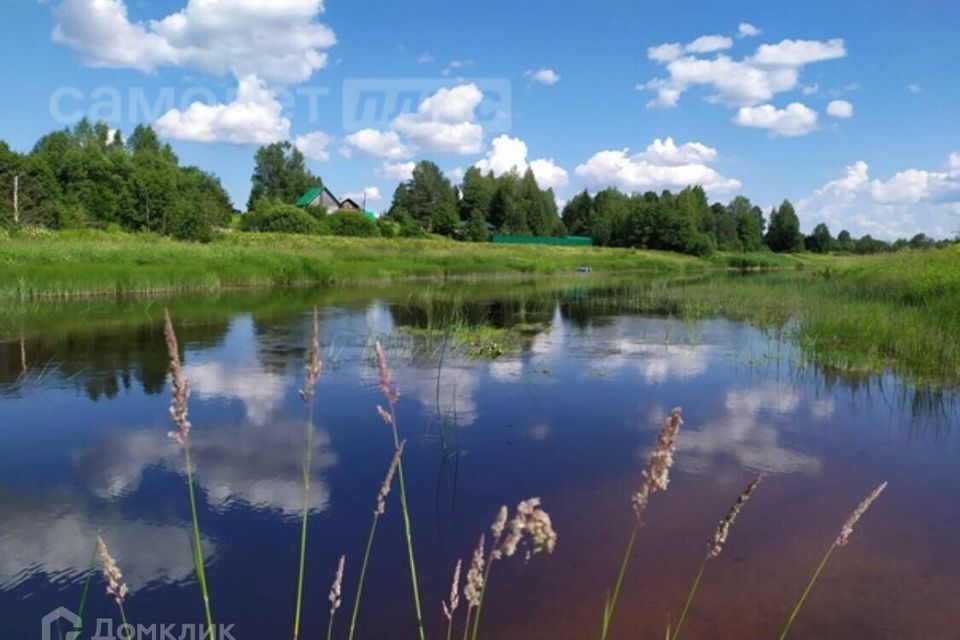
89,175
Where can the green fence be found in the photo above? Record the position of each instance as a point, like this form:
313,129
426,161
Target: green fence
568,241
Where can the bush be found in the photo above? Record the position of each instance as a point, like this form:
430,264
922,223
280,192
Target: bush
351,223
282,218
388,228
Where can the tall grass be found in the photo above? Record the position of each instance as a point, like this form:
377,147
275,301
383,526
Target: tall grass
181,434
391,394
306,393
842,539
654,478
68,264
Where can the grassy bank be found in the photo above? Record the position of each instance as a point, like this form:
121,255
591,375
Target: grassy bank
65,264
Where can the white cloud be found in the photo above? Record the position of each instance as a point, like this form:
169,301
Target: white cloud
280,42
454,65
455,175
914,88
424,58
508,154
445,122
772,69
795,120
382,144
840,109
254,117
809,89
314,145
544,75
707,44
746,30
666,52
909,202
663,164
549,175
368,194
796,53
395,170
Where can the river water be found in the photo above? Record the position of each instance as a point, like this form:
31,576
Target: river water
565,408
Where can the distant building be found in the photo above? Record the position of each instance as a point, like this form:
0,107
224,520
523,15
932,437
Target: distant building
349,205
321,196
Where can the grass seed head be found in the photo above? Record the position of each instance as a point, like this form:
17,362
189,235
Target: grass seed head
847,530
180,385
449,608
474,586
723,529
115,586
388,480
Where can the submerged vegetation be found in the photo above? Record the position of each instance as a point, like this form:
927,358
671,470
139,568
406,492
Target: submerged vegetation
529,529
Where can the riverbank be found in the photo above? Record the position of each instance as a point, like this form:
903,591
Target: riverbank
47,264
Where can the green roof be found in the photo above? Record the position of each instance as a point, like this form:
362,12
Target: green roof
308,197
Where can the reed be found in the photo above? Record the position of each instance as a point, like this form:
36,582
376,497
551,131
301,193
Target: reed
181,434
450,606
380,509
391,394
531,524
655,477
714,549
335,595
115,585
306,393
841,541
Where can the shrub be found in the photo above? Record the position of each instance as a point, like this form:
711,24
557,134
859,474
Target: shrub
351,223
283,218
388,228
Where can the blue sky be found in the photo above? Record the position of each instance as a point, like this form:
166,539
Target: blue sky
851,113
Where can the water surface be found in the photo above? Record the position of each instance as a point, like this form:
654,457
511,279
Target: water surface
566,412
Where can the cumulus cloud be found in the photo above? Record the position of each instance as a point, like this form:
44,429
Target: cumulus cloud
445,122
280,42
510,154
707,44
840,109
424,58
908,202
543,75
663,164
746,30
314,145
395,170
914,88
772,69
795,120
381,144
254,117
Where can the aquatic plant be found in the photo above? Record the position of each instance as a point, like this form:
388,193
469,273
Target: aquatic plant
179,415
450,606
380,509
841,541
335,595
715,547
115,585
391,394
306,393
655,477
531,524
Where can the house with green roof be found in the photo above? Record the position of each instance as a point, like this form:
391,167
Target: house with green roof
321,196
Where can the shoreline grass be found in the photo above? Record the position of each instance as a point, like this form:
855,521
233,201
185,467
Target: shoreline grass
93,263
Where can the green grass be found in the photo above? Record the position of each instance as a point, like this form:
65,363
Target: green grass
72,264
